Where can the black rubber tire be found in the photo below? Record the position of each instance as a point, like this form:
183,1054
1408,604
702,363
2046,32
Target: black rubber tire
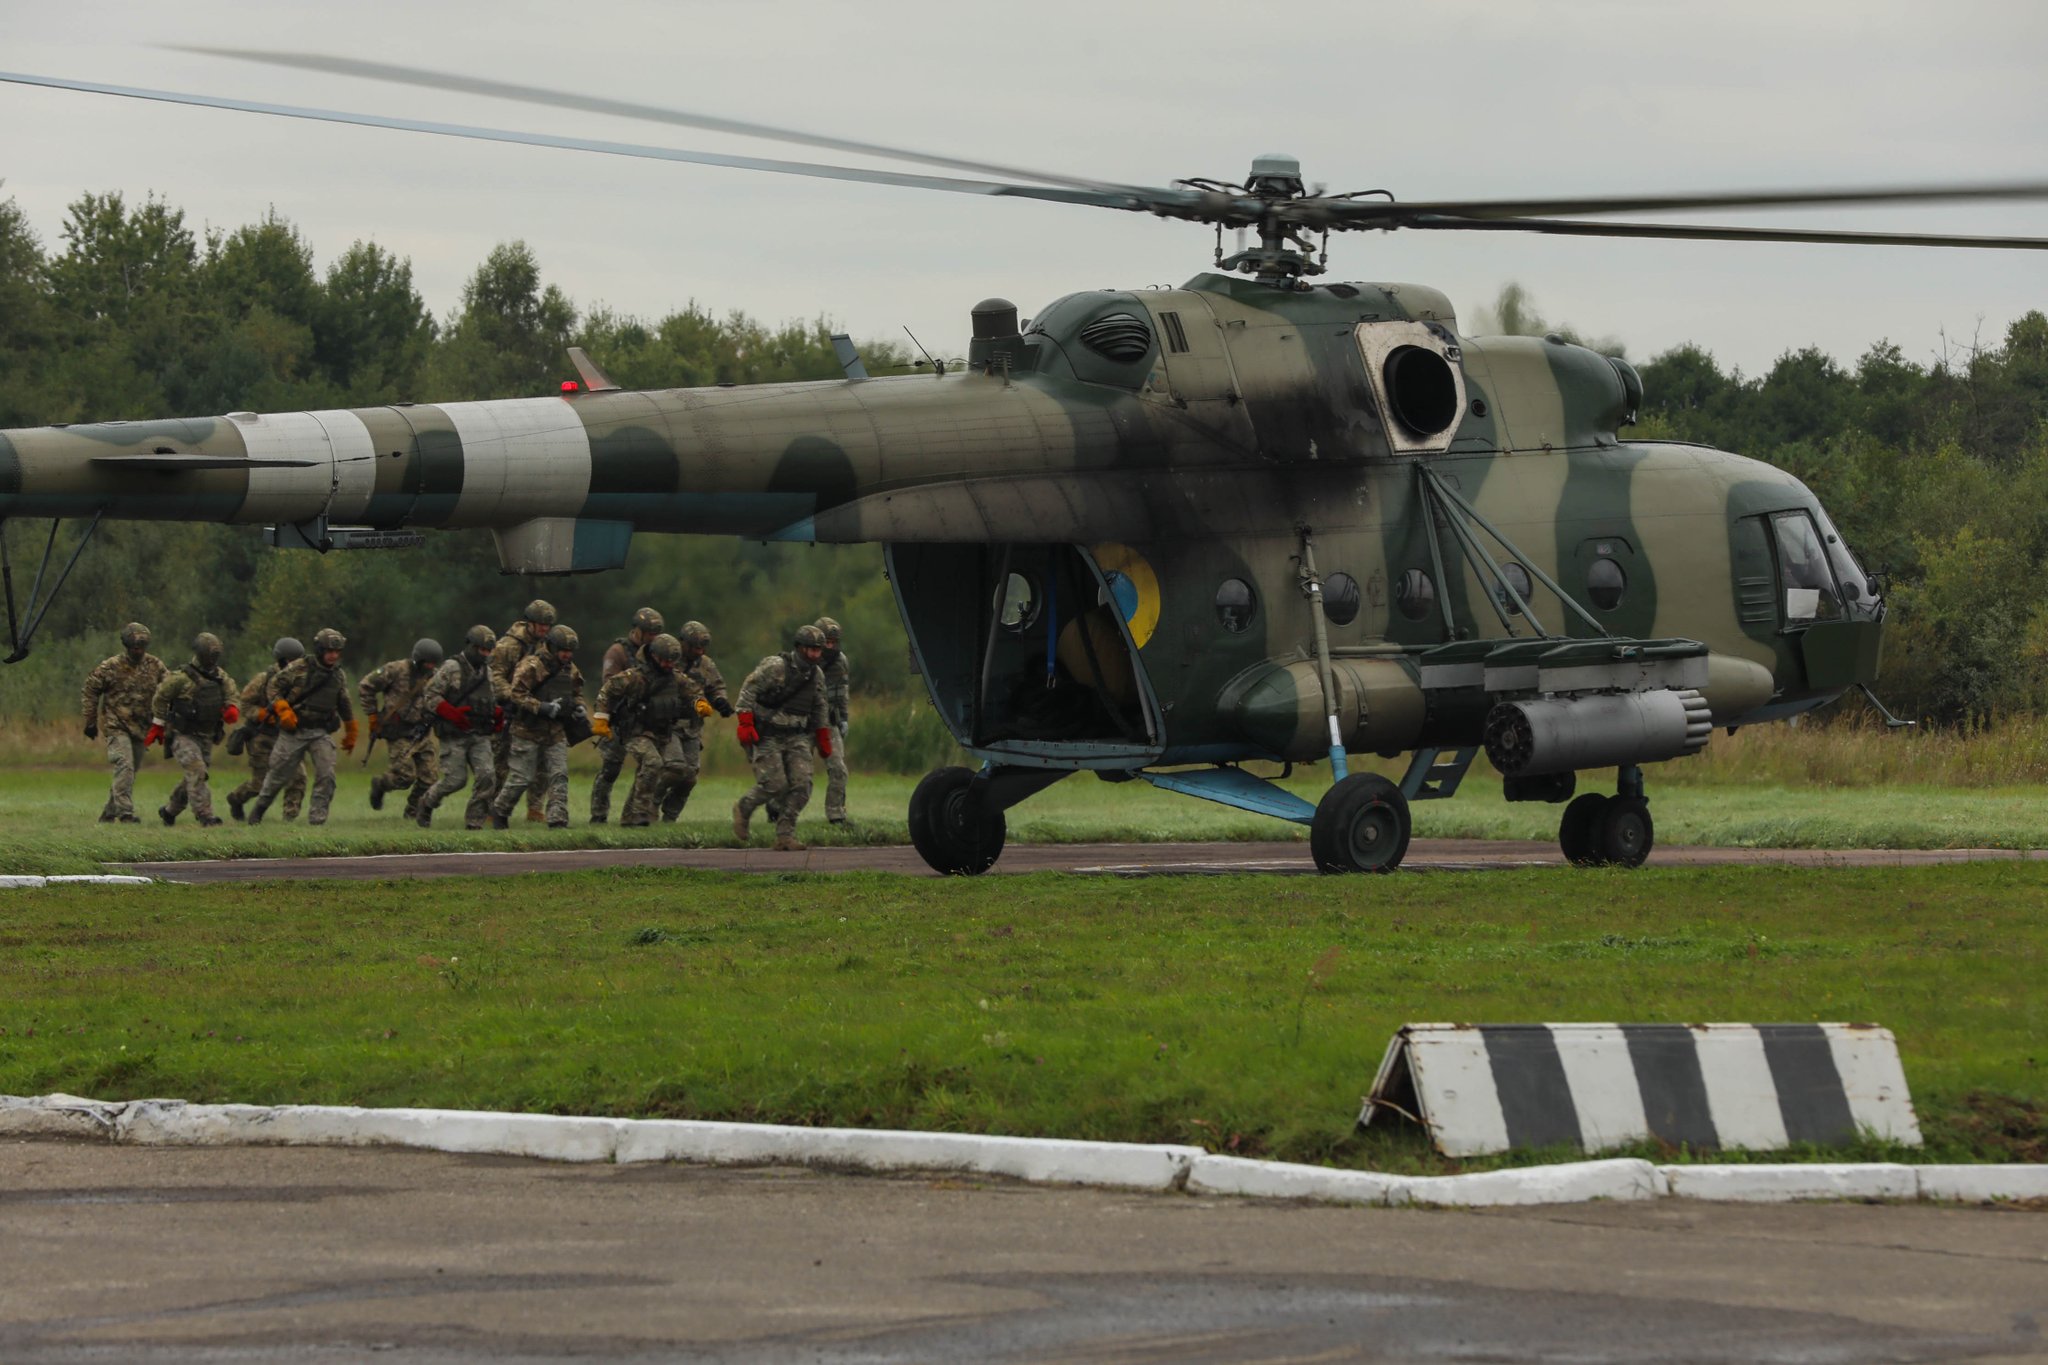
947,840
1361,825
1625,834
1575,831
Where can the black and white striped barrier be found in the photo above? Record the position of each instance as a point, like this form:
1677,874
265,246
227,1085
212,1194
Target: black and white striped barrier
1483,1088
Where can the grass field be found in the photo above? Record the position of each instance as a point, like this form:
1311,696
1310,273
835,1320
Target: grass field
1242,1014
47,819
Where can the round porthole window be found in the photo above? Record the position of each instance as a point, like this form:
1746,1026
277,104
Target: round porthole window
1019,610
1235,605
1605,583
1340,599
1416,595
1518,579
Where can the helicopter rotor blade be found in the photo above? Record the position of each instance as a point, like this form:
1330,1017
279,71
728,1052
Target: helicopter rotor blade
1362,213
1706,233
562,99
1173,203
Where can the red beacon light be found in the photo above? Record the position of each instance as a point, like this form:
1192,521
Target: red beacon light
570,386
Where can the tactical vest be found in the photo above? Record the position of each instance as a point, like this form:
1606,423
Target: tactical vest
475,678
661,704
790,709
198,713
559,686
319,701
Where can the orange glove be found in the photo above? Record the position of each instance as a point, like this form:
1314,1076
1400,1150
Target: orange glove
703,707
348,737
376,722
601,726
230,714
824,737
155,735
281,711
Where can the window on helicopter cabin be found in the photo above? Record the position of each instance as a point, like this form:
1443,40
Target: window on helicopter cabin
1518,579
1235,605
1340,599
1803,573
1018,611
1416,595
1605,584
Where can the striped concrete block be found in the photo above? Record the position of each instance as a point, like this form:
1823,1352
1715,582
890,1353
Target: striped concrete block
1494,1087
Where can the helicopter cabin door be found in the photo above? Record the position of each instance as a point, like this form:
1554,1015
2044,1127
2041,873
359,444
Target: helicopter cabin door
1194,371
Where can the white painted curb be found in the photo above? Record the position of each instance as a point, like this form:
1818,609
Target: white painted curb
21,882
1056,1161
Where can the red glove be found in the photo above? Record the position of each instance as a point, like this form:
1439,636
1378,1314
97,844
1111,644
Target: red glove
749,736
230,714
497,720
457,716
156,733
825,741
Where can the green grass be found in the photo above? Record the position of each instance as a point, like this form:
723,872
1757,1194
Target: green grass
47,819
1242,1014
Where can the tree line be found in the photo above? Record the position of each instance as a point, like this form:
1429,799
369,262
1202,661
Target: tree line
1934,465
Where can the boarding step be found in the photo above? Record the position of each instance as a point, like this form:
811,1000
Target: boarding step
1434,774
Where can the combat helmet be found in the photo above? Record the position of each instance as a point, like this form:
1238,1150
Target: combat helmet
809,637
481,638
287,649
829,627
696,634
665,650
206,649
134,634
429,652
326,638
649,620
540,612
561,637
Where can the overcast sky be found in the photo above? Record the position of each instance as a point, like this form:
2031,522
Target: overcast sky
1427,98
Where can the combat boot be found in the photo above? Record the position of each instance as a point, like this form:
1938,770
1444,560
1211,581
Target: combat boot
128,818
739,822
209,821
106,817
788,843
599,819
499,822
425,819
558,824
235,804
165,814
376,793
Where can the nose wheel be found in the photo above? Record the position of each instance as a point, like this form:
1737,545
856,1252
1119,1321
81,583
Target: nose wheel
1360,825
952,828
1609,831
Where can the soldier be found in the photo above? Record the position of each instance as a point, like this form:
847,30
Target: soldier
116,698
464,700
258,736
310,701
710,682
520,639
838,675
402,720
546,687
192,709
642,706
646,625
781,711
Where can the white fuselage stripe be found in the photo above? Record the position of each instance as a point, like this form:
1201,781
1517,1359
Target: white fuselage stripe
521,458
286,495
355,464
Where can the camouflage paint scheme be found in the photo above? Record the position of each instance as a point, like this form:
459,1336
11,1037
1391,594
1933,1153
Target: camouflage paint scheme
1230,415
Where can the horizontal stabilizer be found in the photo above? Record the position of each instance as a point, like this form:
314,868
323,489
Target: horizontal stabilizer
172,464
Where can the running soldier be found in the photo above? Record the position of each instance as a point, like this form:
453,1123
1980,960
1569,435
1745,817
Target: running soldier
520,639
642,706
838,677
710,682
257,737
393,699
466,705
310,700
612,752
546,687
781,712
192,709
116,698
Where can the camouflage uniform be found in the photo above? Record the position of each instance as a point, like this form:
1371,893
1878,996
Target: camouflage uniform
519,641
540,746
612,751
463,681
838,675
690,733
319,696
786,695
115,705
401,720
646,705
190,704
260,744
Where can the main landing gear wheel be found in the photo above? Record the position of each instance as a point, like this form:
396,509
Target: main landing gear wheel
1607,831
950,834
1575,830
1361,825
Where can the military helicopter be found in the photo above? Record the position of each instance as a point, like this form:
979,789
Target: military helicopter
1156,535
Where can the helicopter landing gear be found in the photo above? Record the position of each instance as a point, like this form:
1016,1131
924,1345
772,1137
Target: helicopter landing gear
1360,825
1609,831
956,814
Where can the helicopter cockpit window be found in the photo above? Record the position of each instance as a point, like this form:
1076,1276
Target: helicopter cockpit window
1019,609
1605,583
1810,593
1855,583
1416,596
1340,599
1518,578
1235,605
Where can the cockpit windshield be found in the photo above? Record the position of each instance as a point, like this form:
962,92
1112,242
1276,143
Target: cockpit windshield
1855,583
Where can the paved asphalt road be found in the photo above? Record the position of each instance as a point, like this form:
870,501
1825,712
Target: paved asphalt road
259,1254
1103,859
